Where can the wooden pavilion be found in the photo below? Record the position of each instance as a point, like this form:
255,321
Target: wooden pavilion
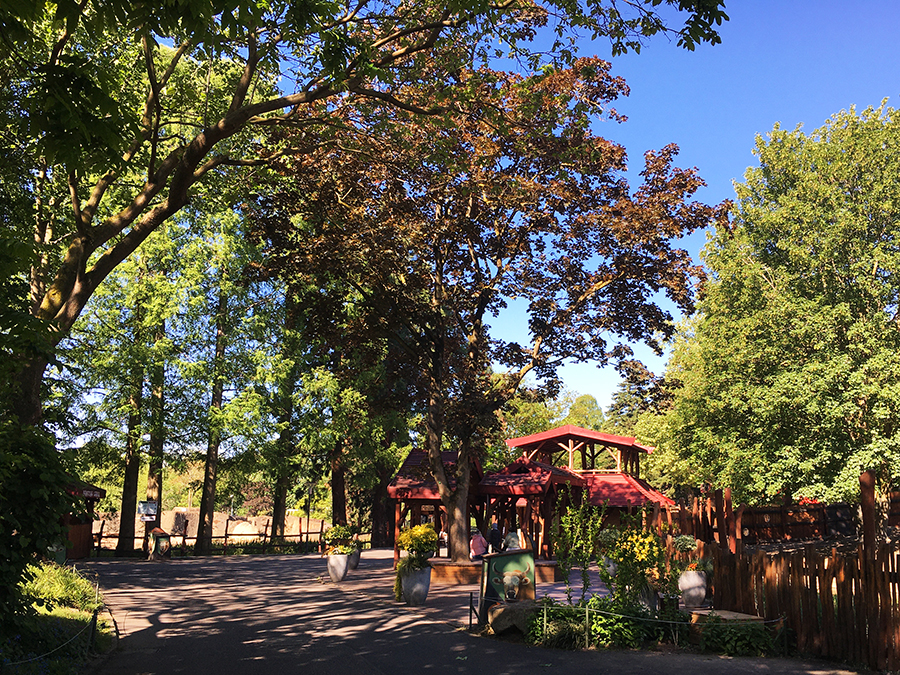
610,465
556,466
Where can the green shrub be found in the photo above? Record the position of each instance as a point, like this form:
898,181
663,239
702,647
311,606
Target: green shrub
639,558
622,623
613,623
556,625
32,503
55,586
55,637
736,639
673,626
420,542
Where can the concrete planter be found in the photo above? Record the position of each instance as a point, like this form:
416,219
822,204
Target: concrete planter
354,559
693,586
415,586
338,566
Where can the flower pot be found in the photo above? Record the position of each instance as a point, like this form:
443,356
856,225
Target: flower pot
338,566
611,567
693,586
354,559
415,586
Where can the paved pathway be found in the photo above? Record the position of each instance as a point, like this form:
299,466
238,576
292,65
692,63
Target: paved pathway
281,614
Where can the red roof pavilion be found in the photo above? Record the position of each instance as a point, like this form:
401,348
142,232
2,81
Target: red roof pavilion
527,477
620,486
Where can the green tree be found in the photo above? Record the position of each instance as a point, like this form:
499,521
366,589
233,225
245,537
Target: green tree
529,411
585,412
790,372
439,229
115,363
113,145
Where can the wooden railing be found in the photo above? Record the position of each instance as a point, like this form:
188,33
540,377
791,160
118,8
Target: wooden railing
264,542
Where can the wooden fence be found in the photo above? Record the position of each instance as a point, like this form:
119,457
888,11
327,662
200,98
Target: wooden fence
264,542
714,519
844,607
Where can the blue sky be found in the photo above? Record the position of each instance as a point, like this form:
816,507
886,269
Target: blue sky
790,61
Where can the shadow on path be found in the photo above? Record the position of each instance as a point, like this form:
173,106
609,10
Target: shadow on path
281,614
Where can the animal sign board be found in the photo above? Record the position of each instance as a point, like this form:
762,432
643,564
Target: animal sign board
508,576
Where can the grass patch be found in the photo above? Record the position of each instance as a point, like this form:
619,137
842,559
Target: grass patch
56,636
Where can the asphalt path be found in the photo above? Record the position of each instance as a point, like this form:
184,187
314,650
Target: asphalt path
269,615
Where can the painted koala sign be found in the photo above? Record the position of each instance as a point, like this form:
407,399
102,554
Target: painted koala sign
508,576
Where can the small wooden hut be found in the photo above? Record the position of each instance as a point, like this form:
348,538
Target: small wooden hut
80,526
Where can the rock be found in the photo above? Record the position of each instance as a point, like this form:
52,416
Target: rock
504,617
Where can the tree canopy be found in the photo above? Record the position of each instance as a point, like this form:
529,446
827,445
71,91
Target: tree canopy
433,229
118,110
790,371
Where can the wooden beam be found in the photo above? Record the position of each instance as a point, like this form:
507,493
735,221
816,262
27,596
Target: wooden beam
536,450
398,517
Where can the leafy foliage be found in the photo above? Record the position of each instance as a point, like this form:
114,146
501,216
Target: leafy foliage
32,503
604,622
420,542
56,585
790,373
432,227
736,639
639,561
55,637
576,543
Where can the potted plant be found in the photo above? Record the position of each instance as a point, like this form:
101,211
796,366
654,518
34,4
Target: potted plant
414,571
693,580
338,558
344,535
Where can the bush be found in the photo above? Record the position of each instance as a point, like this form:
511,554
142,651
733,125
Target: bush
639,558
624,625
52,585
420,542
564,626
736,639
32,503
613,623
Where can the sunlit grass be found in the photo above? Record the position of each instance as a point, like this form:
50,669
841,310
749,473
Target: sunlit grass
56,636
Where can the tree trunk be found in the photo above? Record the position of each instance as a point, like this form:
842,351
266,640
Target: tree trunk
125,544
214,438
338,486
456,500
458,534
26,402
382,515
284,446
279,505
157,436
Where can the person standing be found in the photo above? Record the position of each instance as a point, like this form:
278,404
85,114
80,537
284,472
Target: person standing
496,539
477,545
